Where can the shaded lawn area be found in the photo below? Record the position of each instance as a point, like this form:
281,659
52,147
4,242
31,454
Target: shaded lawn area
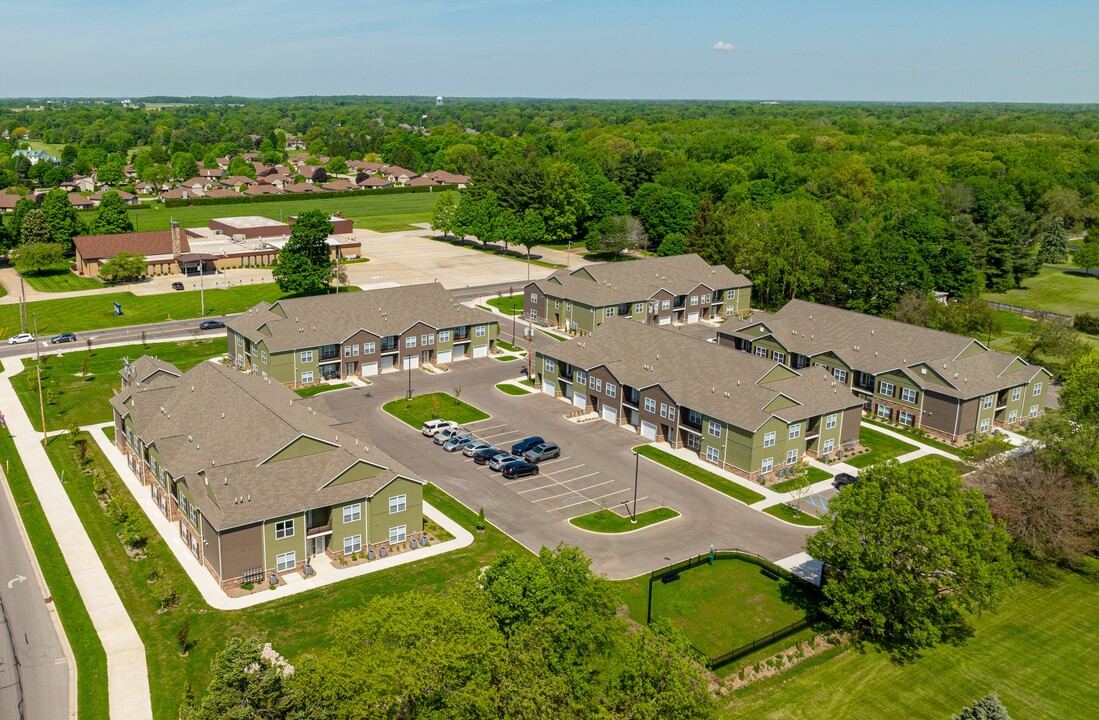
1037,651
422,408
294,625
508,304
784,512
957,466
511,389
882,447
815,475
91,661
694,472
314,390
85,399
929,441
1069,292
605,521
60,278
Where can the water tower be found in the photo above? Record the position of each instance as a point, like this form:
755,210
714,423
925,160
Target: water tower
439,101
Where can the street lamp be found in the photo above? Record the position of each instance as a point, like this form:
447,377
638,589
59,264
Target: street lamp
636,465
408,397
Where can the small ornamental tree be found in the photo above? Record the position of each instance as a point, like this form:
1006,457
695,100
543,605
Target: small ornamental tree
124,267
442,216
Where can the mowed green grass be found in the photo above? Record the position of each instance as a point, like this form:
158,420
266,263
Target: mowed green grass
508,304
60,279
1037,652
422,408
1061,291
882,447
383,213
85,399
605,521
702,475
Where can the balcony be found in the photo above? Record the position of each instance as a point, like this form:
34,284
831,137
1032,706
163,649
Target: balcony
329,352
389,344
318,522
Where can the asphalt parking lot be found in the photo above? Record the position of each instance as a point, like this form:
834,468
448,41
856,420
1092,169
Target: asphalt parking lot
596,469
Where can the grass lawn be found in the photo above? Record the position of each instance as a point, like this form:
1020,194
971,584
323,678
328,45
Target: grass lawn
311,612
694,472
959,467
84,399
929,441
784,512
508,346
816,475
318,389
383,213
555,336
60,278
504,358
1061,291
91,661
605,521
1037,651
422,408
512,389
508,304
882,447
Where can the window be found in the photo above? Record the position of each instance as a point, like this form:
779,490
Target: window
984,425
795,431
479,331
884,411
347,351
1016,393
444,336
694,299
791,456
397,534
556,304
729,310
886,389
192,514
355,350
286,561
568,305
769,439
352,544
410,341
368,348
240,341
612,390
427,339
671,412
778,356
828,445
767,465
534,297
987,400
706,298
694,442
284,529
663,410
306,356
650,405
694,417
550,365
398,503
581,377
761,351
908,395
352,513
714,428
263,358
712,454
730,294
1037,390
307,376
595,383
610,311
840,375
639,308
1033,411
830,421
665,304
1013,416
905,418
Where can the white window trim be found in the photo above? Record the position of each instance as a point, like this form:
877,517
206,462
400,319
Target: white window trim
713,428
398,503
769,439
352,544
398,534
286,561
830,421
285,533
352,513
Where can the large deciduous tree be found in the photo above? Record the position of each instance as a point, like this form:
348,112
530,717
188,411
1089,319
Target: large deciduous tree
614,235
184,166
239,166
33,228
34,257
442,215
910,555
61,217
304,265
1087,257
663,210
112,218
567,198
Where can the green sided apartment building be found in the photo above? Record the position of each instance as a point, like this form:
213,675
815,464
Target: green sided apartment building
950,386
747,414
677,290
332,337
257,480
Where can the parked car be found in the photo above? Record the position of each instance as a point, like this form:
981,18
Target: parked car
474,446
177,285
63,338
499,461
526,444
542,451
519,469
20,338
458,442
481,457
844,479
445,434
210,325
433,426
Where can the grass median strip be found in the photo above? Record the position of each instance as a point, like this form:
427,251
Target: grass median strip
512,389
702,475
421,408
605,521
784,512
315,390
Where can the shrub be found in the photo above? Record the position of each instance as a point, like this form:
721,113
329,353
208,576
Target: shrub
165,593
117,510
1086,323
133,535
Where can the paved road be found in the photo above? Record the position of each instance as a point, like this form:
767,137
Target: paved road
34,677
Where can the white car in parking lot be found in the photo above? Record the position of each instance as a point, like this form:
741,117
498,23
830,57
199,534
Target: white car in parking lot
433,426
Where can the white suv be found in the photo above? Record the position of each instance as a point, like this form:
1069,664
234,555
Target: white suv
433,426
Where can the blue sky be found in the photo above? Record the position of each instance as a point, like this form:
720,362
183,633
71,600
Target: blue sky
889,50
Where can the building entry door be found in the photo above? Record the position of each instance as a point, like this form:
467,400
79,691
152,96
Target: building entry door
318,545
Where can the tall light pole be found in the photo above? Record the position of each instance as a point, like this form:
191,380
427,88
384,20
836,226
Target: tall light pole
201,289
38,371
636,467
408,397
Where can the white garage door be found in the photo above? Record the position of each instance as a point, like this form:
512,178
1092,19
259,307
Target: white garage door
459,351
444,357
370,368
388,362
610,414
692,317
579,399
548,387
648,430
411,361
480,351
665,319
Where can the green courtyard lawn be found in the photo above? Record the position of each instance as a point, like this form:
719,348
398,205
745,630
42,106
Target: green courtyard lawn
882,447
294,625
816,475
421,408
308,392
1068,292
512,389
380,212
60,278
957,466
508,304
1037,651
91,661
798,517
702,475
606,521
70,396
922,439
504,345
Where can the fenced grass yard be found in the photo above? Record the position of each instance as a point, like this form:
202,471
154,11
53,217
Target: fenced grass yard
1064,291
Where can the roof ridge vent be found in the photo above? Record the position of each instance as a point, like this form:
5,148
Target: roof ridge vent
871,331
713,389
225,481
189,439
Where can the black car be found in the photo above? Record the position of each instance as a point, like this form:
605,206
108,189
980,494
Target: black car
63,338
210,325
177,285
844,479
482,456
526,444
519,469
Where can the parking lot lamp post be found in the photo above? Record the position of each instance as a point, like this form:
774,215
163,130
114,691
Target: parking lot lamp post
408,398
511,293
636,464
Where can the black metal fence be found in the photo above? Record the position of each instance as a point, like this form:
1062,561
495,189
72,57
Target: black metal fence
1030,312
671,572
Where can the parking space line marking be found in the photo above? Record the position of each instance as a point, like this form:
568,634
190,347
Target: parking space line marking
544,487
528,477
582,491
586,500
474,422
573,492
577,478
556,459
509,432
492,427
555,472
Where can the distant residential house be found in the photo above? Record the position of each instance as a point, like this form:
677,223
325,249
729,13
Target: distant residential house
81,202
80,183
443,177
214,173
294,142
374,181
177,194
421,181
238,181
222,192
223,162
303,187
36,156
129,171
262,169
279,181
262,190
145,188
7,201
308,171
339,184
397,174
198,185
127,198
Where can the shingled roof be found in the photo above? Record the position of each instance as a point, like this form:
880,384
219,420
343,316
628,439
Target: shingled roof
156,242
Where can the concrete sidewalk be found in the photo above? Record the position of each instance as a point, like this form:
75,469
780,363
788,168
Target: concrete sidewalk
127,672
325,574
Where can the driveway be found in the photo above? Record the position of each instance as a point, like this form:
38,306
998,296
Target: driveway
596,469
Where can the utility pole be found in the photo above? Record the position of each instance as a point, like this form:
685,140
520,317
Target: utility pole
636,467
511,294
38,371
530,324
22,304
408,397
201,289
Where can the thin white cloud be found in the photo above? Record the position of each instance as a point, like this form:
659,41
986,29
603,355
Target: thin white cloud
722,45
